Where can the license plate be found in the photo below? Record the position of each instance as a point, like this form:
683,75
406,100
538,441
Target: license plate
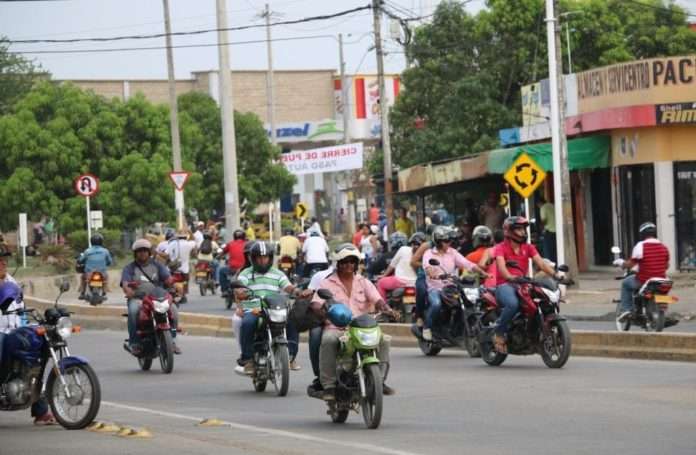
201,274
96,284
664,299
409,299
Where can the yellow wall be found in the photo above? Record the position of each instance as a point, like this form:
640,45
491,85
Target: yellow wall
659,143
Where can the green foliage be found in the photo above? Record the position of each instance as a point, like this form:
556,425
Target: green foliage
17,75
78,240
464,84
61,257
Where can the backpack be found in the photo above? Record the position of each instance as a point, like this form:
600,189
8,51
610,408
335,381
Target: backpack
206,247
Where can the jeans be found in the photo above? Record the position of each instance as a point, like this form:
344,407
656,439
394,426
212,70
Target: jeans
629,286
328,352
550,246
421,295
293,340
134,309
311,269
314,345
223,276
506,296
248,330
433,313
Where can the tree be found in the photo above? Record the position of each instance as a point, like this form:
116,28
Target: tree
17,75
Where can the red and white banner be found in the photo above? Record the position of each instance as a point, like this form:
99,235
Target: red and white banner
325,159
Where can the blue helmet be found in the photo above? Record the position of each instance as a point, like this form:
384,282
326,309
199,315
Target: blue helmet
340,315
9,292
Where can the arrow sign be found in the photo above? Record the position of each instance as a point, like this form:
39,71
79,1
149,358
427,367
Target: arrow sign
179,179
301,210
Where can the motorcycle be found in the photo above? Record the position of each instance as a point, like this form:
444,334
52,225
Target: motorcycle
153,327
72,388
359,376
286,264
459,324
271,355
204,277
650,304
94,292
538,328
404,301
180,285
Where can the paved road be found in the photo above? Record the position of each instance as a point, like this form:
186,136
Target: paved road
447,404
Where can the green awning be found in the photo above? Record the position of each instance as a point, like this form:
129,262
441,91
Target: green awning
584,153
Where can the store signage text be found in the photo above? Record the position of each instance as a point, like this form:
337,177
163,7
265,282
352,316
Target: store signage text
675,113
325,159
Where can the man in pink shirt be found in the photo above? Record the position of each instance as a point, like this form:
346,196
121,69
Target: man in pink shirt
450,261
361,296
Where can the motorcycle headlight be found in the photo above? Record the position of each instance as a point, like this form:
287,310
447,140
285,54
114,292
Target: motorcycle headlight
471,294
554,296
64,327
280,315
161,306
370,338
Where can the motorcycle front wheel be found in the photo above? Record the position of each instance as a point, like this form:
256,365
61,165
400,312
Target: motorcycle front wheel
371,405
145,363
80,408
281,369
488,352
166,351
555,349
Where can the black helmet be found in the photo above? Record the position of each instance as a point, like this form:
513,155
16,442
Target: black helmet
646,230
258,249
416,239
207,235
238,234
97,239
397,240
169,234
289,232
512,223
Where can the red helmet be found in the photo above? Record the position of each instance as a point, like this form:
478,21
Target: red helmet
512,223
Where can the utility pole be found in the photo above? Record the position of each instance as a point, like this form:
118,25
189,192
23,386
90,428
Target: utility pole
384,112
229,145
173,118
274,212
563,209
344,91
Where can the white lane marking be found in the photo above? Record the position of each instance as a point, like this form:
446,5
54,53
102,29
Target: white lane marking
270,431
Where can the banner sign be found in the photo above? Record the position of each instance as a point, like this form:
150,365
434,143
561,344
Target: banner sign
325,159
669,114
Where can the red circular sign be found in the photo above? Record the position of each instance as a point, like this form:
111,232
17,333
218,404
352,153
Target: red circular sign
86,185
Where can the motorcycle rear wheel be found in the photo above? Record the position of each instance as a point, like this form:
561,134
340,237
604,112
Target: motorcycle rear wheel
472,346
656,320
281,369
371,405
429,348
260,385
166,351
560,334
145,363
339,416
488,352
202,289
85,390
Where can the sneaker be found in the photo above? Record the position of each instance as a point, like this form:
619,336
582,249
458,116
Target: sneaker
249,368
46,419
623,316
134,349
386,390
315,389
329,394
294,366
427,334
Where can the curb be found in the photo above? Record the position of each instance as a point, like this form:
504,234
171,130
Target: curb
647,346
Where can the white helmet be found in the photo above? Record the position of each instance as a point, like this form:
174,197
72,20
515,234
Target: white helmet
141,244
346,250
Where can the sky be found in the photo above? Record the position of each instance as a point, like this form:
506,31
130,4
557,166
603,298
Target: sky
64,19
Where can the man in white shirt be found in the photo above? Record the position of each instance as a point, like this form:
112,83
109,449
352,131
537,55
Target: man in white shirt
399,273
315,227
198,234
314,250
180,250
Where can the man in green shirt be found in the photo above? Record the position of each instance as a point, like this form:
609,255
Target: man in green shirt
548,221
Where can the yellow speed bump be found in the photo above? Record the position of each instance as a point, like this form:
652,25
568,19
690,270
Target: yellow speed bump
211,423
134,433
104,427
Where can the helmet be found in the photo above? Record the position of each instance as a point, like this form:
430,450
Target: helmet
289,232
97,239
238,234
345,251
169,234
340,315
141,244
417,238
182,234
512,223
482,236
440,234
9,292
647,229
259,249
207,235
397,240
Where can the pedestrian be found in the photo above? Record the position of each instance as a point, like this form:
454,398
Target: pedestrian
404,224
362,231
548,223
491,213
373,214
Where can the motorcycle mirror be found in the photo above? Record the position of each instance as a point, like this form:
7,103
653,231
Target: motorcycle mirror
325,294
63,284
563,268
615,250
434,262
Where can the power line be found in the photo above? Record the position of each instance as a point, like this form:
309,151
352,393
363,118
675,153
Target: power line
193,32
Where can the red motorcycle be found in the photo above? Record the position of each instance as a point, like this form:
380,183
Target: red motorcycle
153,326
538,328
180,286
204,277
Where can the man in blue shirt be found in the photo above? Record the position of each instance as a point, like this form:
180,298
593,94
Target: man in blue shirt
95,259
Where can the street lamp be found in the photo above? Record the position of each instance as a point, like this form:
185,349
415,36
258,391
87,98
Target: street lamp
563,15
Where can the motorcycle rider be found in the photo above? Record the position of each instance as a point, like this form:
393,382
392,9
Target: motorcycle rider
289,245
482,238
263,279
399,272
161,250
513,248
144,269
421,286
314,250
235,259
9,290
450,260
181,250
652,258
95,259
207,252
198,234
361,297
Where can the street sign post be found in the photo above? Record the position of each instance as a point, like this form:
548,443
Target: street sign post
23,237
97,219
525,176
87,185
179,179
301,212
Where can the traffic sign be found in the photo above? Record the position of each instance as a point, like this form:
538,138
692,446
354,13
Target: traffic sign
301,210
525,175
86,185
179,179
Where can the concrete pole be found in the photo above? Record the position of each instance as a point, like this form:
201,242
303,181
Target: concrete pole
344,91
173,117
229,145
274,228
384,112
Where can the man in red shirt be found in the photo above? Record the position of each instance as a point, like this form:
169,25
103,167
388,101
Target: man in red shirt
363,231
513,249
373,214
235,258
652,258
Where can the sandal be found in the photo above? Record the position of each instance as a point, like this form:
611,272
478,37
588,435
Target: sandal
499,344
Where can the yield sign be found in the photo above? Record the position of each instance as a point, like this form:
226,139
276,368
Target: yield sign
525,175
179,179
